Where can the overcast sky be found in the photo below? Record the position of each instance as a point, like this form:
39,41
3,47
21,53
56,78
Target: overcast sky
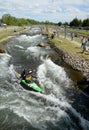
46,10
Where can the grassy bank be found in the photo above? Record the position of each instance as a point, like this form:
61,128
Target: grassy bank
9,30
79,31
6,33
71,47
68,45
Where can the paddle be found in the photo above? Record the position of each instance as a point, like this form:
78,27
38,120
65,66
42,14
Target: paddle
17,75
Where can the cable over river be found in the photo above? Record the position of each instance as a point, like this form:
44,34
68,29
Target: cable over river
61,107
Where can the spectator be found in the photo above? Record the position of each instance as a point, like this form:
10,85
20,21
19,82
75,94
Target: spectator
53,35
84,44
72,36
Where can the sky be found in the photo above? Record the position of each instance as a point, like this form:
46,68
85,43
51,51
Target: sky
46,10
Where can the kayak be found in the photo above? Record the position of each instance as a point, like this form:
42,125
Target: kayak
30,85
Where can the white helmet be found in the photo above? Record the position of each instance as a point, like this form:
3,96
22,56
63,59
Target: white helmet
30,72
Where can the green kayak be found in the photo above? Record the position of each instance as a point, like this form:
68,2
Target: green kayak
29,85
32,86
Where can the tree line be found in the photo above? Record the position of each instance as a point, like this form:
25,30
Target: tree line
10,20
77,23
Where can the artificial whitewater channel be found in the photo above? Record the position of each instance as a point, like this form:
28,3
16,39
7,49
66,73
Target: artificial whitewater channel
61,107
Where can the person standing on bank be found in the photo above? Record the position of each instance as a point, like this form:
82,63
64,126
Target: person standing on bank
84,44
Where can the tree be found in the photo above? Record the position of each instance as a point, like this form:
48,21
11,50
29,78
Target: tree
66,23
6,18
85,22
10,20
60,23
75,22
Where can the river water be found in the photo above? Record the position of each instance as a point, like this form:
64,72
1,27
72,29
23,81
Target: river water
61,107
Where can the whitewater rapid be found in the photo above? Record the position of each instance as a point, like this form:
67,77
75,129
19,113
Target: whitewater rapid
22,109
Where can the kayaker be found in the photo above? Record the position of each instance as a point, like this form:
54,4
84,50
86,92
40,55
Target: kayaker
29,76
26,76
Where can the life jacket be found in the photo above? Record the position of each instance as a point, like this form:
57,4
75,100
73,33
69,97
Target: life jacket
28,77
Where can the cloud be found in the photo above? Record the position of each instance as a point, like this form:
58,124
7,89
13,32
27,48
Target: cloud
72,10
52,10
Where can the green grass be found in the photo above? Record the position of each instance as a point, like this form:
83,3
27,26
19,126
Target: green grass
70,47
77,31
9,31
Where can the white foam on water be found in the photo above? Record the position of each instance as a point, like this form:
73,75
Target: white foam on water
4,64
38,109
18,46
25,38
46,108
52,76
12,73
35,51
6,69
